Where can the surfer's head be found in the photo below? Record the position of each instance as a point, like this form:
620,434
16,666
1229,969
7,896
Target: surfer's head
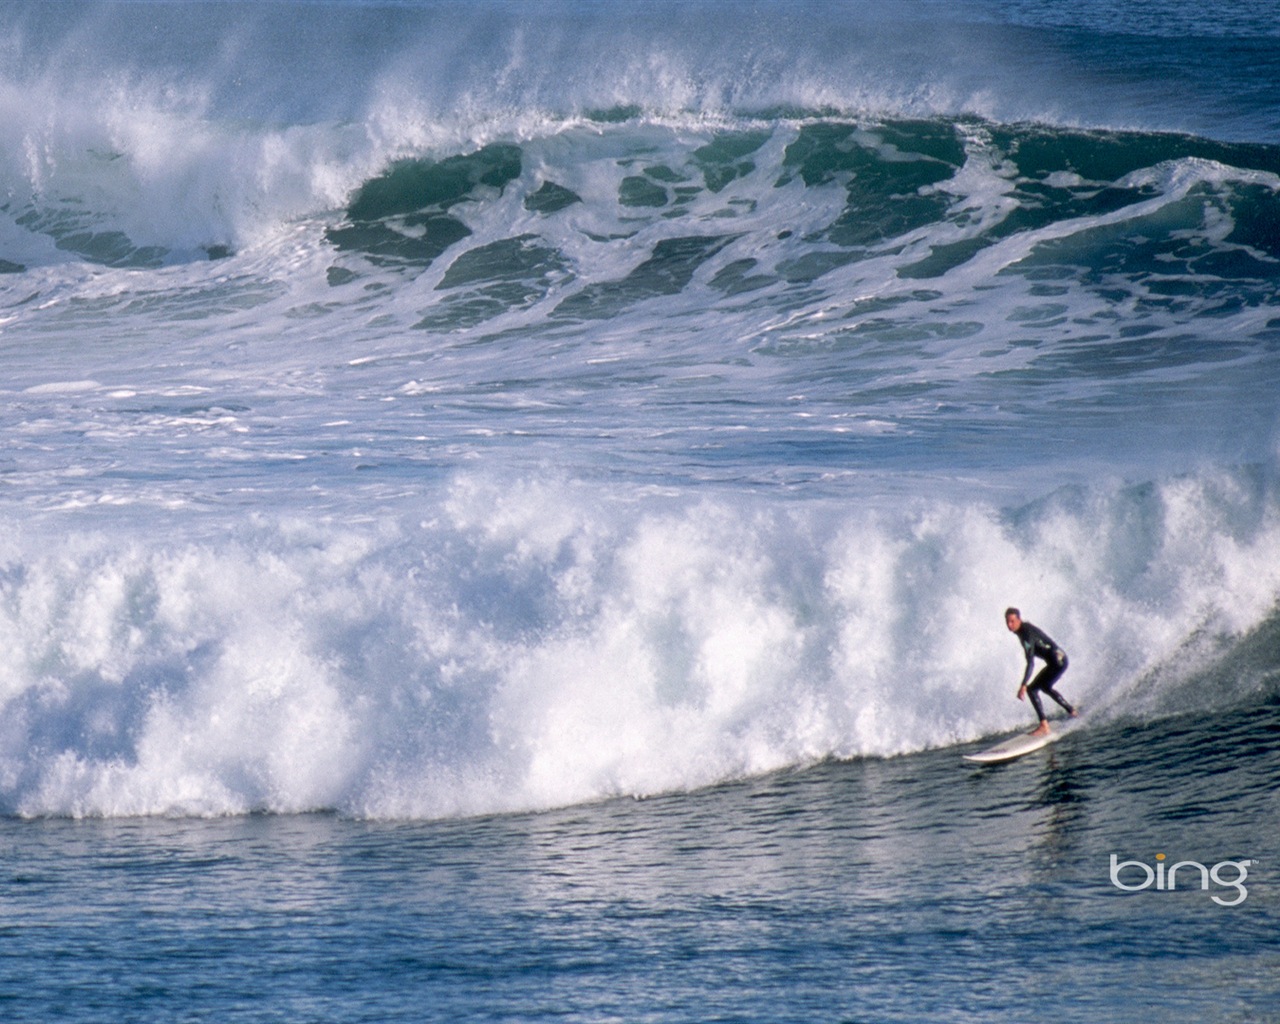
1012,619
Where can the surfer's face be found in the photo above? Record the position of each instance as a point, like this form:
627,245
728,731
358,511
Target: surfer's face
1013,622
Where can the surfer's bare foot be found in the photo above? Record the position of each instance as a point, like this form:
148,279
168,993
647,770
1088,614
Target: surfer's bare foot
1075,712
1040,730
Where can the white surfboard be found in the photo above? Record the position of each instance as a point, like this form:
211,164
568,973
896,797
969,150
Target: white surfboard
1014,746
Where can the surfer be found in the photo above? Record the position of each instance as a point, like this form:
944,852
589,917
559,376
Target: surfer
1037,644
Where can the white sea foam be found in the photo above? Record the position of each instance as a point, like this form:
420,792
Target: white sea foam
534,644
188,148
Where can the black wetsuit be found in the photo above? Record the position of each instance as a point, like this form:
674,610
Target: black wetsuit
1037,644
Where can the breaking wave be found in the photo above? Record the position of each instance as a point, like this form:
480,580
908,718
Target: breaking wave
533,644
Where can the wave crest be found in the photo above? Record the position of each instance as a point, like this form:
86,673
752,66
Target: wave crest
534,645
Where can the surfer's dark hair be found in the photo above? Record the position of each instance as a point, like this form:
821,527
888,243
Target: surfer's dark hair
1012,611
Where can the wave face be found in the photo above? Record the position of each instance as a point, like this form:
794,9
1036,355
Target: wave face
417,411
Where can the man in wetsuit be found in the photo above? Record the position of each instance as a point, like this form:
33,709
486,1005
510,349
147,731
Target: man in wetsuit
1037,644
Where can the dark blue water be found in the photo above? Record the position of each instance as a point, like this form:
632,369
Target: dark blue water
913,889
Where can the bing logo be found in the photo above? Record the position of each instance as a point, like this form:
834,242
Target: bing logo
1138,876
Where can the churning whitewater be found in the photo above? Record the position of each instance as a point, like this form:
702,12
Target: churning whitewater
413,423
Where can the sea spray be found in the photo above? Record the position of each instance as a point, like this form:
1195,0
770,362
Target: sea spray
532,645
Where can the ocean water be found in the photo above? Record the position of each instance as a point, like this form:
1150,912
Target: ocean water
508,510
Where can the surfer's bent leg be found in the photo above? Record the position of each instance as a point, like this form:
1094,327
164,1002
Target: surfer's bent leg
1033,691
1043,682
